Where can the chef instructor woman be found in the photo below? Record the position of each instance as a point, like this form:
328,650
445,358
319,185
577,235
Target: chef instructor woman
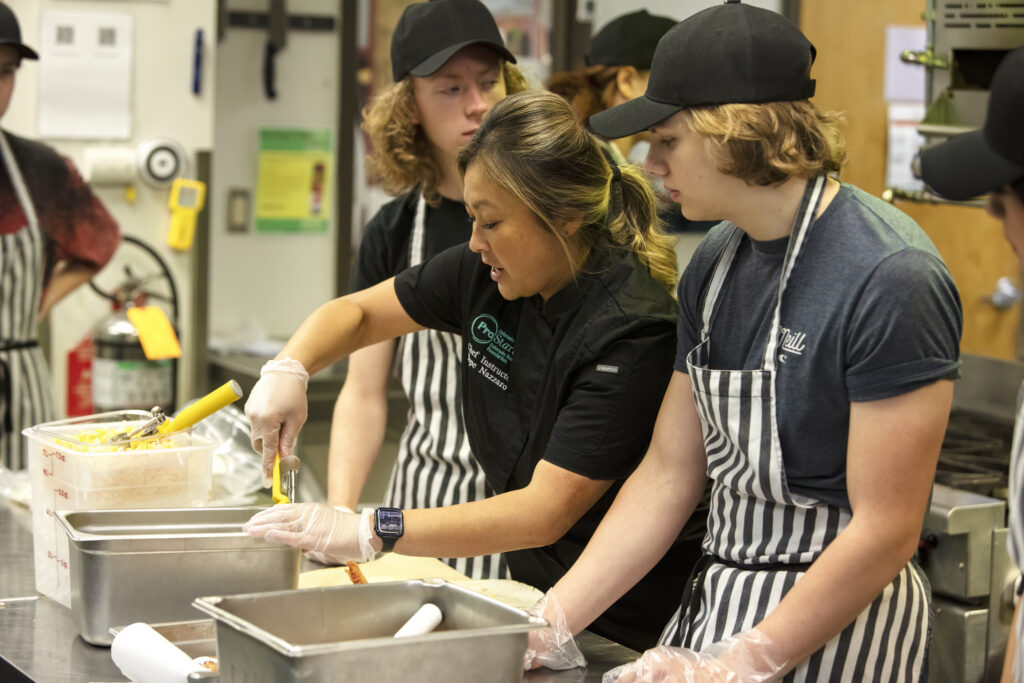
562,300
450,67
818,337
54,236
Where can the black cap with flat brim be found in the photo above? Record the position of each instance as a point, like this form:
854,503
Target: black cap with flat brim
965,166
981,161
10,33
430,33
728,54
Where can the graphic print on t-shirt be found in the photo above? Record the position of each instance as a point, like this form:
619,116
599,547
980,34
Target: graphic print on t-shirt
493,346
791,343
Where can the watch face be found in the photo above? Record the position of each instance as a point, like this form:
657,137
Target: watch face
389,520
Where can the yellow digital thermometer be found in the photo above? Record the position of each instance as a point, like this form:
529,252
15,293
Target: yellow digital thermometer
186,202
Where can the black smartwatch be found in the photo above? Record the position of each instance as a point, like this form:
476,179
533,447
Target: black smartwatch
389,525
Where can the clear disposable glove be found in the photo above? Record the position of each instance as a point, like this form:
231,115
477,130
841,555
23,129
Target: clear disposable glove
749,657
277,408
332,534
320,557
554,646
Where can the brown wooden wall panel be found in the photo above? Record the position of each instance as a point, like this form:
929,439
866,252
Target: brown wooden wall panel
850,37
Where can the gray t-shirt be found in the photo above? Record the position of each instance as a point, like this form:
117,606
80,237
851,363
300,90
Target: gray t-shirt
870,312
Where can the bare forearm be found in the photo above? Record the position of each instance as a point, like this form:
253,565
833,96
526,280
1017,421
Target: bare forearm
357,433
530,517
647,515
841,584
348,323
67,277
644,521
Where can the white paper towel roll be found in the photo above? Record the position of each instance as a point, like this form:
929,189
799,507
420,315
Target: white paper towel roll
109,165
425,620
145,656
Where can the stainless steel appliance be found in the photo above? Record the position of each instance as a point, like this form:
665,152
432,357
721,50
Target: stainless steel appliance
963,544
966,42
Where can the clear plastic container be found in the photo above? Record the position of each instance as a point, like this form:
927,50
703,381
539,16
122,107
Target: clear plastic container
67,474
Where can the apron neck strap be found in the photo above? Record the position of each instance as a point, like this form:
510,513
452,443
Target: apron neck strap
419,229
801,229
717,281
20,189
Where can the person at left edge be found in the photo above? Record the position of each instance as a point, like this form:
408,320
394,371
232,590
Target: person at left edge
567,330
54,235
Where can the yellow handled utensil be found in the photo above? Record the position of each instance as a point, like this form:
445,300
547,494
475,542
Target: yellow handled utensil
287,494
227,394
230,392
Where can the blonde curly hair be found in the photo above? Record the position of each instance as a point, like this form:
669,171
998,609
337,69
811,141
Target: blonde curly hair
400,157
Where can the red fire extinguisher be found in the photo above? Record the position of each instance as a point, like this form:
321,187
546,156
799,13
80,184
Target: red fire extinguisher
108,369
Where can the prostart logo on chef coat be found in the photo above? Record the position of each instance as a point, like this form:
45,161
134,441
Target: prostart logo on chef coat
498,347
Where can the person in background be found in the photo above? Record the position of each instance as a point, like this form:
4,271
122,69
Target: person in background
991,160
618,64
54,235
562,300
818,339
450,67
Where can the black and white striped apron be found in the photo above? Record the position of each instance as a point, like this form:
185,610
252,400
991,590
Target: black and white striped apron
26,397
435,465
761,536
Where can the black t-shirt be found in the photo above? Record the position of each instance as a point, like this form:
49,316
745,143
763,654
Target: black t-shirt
576,381
384,251
870,312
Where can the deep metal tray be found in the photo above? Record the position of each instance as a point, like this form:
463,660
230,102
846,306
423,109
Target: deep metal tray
344,634
149,565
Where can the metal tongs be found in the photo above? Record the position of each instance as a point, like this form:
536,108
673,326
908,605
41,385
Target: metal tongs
159,423
147,428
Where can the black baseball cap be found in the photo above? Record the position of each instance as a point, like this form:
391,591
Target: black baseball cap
731,53
10,33
628,40
429,33
984,160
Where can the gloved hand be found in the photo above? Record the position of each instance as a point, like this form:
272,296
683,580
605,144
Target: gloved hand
334,535
320,557
277,409
749,657
553,646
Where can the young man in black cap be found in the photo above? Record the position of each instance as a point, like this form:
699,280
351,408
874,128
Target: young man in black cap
818,337
54,235
450,66
991,160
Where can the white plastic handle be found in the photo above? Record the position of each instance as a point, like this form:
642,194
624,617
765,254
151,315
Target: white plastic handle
425,620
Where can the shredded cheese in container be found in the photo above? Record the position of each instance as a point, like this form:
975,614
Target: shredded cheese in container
101,436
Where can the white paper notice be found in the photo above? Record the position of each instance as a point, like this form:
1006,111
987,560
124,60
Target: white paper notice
904,82
904,144
85,76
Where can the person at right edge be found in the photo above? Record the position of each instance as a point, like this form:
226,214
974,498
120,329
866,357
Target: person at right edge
818,339
991,161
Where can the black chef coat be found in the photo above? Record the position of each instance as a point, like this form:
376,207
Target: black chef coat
578,382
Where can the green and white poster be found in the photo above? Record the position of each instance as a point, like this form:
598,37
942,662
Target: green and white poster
293,193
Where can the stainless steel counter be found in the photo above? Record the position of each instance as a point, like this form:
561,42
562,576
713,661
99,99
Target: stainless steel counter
38,640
